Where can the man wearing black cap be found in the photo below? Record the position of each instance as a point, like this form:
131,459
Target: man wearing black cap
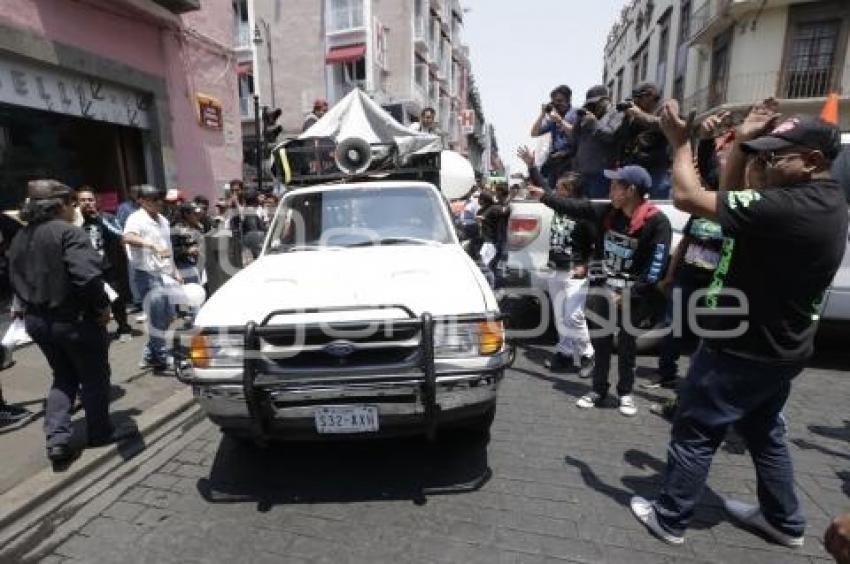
594,134
56,274
633,239
642,141
765,319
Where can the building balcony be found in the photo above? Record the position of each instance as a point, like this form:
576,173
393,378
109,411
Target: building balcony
741,91
712,17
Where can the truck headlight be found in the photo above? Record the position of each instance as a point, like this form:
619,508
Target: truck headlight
462,340
217,351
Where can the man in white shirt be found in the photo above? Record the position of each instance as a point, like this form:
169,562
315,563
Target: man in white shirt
148,237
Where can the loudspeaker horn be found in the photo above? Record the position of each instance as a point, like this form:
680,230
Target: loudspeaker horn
353,155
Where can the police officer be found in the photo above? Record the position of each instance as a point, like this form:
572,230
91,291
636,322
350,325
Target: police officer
56,277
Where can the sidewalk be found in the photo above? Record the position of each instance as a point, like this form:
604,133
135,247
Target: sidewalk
26,383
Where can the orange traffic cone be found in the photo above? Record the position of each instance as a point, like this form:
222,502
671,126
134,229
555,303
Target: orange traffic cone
829,113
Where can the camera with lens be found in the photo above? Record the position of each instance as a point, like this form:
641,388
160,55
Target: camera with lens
548,108
625,105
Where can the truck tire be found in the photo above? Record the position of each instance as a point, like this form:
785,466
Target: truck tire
480,424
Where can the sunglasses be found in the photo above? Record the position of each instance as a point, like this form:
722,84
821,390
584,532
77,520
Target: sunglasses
773,158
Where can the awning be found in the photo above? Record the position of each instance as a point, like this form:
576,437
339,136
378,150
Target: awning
345,54
243,69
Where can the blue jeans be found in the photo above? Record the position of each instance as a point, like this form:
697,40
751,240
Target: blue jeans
671,346
596,186
722,390
159,312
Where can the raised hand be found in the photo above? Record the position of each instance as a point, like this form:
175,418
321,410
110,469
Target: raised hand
673,126
762,117
525,155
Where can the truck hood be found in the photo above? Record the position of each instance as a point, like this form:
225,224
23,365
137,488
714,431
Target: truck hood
439,279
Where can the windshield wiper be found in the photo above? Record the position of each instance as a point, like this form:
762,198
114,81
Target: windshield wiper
298,248
394,241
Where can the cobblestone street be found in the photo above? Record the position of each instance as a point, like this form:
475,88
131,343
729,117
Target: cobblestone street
556,482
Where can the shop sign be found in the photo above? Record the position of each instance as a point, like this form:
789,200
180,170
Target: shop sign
467,121
210,114
66,92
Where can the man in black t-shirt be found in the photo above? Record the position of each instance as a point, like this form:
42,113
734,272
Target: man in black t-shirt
783,246
633,243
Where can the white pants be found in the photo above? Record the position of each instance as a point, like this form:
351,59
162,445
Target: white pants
488,253
568,295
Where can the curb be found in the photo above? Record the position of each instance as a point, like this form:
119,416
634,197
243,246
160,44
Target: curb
28,495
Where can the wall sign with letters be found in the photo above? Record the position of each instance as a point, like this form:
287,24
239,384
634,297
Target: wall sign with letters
66,92
209,112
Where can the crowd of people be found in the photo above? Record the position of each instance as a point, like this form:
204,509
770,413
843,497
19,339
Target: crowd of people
756,182
73,267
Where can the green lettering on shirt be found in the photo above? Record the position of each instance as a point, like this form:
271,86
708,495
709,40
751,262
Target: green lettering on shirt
742,198
719,279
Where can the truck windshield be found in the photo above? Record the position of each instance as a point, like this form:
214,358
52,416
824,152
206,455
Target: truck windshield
358,217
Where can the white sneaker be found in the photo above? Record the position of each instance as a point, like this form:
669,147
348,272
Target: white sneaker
588,400
645,513
627,406
751,516
141,318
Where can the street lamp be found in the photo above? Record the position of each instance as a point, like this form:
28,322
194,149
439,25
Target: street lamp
258,40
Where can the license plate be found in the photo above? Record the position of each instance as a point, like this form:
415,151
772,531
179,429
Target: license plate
347,419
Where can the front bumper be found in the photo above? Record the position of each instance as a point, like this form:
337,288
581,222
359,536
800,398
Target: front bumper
264,401
400,403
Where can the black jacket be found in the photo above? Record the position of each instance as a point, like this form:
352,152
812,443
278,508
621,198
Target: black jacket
54,267
633,249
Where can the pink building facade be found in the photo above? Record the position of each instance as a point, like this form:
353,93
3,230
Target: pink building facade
118,92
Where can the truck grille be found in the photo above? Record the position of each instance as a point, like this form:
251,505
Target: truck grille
316,349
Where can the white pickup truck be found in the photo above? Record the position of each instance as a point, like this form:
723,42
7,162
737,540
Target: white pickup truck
528,244
362,316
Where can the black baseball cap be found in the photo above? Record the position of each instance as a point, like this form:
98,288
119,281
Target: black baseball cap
801,131
596,93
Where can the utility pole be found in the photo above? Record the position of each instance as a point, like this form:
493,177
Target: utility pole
259,142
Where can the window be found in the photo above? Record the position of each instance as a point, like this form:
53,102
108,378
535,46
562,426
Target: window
241,28
719,68
635,72
644,64
346,14
810,63
682,44
618,95
663,48
421,75
679,89
685,22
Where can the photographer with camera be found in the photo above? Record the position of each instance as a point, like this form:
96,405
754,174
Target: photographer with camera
557,118
594,135
765,311
641,141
